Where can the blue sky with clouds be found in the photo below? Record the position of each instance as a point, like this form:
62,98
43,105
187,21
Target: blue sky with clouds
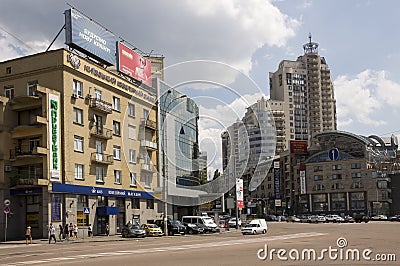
358,38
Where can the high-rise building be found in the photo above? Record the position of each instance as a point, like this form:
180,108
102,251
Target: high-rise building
305,86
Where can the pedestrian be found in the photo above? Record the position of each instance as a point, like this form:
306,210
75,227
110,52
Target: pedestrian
61,233
52,233
28,235
75,231
71,230
107,230
90,231
66,232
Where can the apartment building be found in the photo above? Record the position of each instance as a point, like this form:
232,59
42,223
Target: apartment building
78,144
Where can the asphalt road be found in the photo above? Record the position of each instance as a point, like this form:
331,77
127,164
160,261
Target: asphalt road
285,243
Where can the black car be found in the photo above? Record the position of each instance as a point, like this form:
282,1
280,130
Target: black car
361,218
173,227
131,230
194,228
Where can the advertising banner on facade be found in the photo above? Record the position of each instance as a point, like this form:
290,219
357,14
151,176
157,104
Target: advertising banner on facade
277,181
298,146
239,193
85,35
54,136
133,65
303,189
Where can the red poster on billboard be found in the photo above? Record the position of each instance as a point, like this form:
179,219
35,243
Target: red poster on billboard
133,65
240,204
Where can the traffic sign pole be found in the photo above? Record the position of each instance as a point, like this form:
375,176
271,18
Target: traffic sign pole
5,230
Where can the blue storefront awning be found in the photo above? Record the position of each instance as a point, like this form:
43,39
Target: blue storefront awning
107,210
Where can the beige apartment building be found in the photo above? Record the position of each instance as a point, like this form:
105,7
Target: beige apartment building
78,144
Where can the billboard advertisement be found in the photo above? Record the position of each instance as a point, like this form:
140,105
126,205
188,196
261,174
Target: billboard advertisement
239,193
54,136
298,146
132,64
86,36
277,180
303,189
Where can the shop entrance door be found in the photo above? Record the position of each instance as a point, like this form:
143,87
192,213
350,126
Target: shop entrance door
102,221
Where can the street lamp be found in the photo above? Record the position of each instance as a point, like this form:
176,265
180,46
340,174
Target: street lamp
164,112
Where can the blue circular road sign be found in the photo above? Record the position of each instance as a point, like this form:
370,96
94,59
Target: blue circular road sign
333,154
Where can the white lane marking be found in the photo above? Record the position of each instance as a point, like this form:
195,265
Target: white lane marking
173,248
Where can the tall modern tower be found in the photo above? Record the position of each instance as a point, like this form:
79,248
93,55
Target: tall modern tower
305,86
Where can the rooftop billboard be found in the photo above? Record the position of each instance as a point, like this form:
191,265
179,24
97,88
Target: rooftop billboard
298,146
85,35
133,65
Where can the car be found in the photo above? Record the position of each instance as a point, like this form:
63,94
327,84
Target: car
173,227
293,219
152,230
304,218
232,222
312,219
361,218
223,224
348,219
133,230
194,228
257,226
334,218
321,219
271,217
207,221
379,217
394,218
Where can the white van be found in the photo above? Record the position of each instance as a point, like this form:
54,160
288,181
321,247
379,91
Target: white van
207,221
255,227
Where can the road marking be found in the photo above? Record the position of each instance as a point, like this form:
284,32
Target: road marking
172,248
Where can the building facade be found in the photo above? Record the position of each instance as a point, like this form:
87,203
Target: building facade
78,144
305,86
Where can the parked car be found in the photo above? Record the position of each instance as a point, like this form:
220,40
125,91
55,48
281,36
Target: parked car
304,218
293,219
312,219
223,224
334,218
194,228
257,226
131,230
207,221
348,219
152,230
271,217
394,218
379,217
173,227
232,222
361,218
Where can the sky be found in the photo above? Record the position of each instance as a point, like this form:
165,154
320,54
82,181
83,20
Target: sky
241,42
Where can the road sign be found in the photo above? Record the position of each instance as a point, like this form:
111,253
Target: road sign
7,202
333,154
86,210
7,209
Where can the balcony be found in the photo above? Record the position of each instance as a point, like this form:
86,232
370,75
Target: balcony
28,178
25,151
148,167
102,158
101,132
100,105
149,123
148,144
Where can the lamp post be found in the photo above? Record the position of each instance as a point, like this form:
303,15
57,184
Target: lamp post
164,112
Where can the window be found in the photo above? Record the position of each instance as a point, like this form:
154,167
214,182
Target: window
117,176
132,132
318,177
382,184
98,94
31,88
100,174
337,167
8,70
79,171
77,89
132,156
78,143
150,203
336,176
131,110
147,181
356,166
318,168
117,152
117,128
116,104
132,177
135,203
145,114
9,92
356,175
78,116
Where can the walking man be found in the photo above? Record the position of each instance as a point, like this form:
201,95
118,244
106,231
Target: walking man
90,231
28,235
52,232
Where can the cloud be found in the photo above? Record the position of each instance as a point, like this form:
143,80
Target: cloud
361,99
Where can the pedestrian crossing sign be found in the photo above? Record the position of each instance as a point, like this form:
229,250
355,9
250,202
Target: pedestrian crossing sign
86,210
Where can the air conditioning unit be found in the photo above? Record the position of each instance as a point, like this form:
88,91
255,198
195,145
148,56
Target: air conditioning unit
74,95
7,168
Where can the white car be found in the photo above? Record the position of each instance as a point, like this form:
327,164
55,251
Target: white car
232,222
334,218
258,226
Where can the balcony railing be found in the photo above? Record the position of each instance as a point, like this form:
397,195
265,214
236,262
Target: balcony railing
100,105
101,132
149,123
27,150
26,177
102,158
148,167
148,144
